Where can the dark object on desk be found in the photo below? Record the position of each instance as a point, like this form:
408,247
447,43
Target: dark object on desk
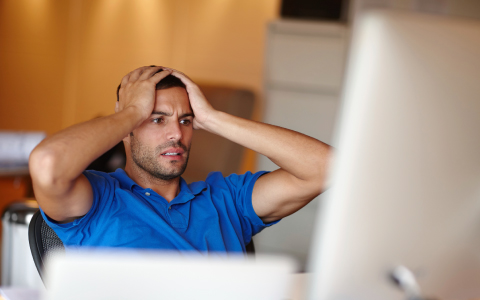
330,10
43,241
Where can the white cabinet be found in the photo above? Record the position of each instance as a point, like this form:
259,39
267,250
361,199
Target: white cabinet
303,80
305,55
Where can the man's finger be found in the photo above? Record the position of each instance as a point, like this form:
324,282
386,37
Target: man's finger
183,74
149,72
136,74
160,75
185,79
125,79
178,72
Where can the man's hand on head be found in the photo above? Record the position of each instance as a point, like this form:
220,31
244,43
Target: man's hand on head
202,109
137,89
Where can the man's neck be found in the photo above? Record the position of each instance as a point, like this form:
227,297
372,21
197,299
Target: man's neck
168,189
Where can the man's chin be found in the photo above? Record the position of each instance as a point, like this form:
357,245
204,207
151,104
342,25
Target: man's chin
169,175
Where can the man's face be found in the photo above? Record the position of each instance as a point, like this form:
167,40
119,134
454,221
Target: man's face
161,145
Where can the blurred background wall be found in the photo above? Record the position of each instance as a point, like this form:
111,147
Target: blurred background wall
61,60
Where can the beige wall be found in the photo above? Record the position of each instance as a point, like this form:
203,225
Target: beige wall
32,64
61,60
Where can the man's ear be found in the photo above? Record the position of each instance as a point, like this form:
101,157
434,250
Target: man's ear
128,148
127,139
117,106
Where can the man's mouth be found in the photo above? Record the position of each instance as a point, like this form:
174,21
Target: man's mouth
173,152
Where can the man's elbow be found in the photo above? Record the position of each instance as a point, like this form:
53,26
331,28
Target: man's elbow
307,190
315,184
319,177
43,166
314,189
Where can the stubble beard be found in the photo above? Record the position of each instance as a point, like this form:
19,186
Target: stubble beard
143,157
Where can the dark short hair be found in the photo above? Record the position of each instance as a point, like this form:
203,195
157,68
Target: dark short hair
166,83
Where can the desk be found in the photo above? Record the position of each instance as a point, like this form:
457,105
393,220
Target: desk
9,293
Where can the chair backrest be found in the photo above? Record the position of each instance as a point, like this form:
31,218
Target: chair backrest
43,241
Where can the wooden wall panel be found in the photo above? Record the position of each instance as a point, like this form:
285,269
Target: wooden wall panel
32,64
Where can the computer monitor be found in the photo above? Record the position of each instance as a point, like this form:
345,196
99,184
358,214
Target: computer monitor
405,194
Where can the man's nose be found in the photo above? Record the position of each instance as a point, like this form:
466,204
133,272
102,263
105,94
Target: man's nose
174,132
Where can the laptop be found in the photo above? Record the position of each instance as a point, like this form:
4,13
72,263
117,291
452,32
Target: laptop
145,275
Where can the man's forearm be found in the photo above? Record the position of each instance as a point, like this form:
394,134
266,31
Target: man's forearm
66,154
300,155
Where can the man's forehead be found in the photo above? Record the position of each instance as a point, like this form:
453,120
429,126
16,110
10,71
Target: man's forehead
172,98
172,91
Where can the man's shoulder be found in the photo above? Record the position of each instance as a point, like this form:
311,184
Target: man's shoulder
217,178
103,180
95,175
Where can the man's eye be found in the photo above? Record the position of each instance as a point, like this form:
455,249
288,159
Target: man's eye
157,120
185,122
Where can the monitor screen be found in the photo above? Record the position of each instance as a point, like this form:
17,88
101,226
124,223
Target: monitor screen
406,179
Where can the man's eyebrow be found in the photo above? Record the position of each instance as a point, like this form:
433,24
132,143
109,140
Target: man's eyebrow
161,113
155,112
186,115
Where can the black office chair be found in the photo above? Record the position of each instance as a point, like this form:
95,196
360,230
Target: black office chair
43,241
250,248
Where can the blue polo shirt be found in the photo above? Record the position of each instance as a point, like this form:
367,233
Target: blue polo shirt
211,215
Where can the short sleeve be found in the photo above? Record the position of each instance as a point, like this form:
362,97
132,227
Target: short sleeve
241,187
103,187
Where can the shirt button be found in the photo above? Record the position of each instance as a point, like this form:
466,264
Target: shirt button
147,194
169,207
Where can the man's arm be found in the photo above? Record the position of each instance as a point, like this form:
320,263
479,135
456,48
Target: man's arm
57,163
302,160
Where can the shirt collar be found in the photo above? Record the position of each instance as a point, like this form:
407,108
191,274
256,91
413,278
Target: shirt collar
192,189
125,181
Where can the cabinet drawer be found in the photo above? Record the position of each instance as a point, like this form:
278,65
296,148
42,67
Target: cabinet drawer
309,113
306,57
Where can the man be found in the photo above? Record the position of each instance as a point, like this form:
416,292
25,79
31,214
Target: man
148,205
